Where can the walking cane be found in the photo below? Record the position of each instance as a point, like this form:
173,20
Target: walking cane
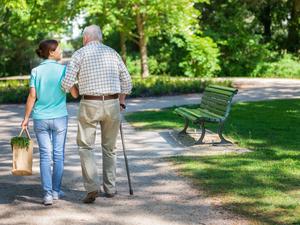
126,161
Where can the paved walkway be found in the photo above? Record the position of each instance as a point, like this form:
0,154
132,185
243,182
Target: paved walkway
160,196
250,89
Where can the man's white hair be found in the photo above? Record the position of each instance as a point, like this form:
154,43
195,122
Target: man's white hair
93,32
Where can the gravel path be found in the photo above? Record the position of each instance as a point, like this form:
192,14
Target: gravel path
160,196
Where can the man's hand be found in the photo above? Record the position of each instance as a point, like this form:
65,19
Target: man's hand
122,101
122,106
74,91
25,122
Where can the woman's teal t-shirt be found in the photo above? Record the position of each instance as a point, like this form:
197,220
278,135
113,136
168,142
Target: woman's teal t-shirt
51,99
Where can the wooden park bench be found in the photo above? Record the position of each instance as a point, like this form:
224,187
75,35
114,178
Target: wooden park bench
214,108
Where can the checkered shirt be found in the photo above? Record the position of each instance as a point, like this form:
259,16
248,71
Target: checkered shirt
99,70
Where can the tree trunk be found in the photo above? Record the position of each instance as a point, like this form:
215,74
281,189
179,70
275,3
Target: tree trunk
142,45
293,42
123,46
266,20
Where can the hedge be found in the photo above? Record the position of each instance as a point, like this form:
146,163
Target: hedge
16,91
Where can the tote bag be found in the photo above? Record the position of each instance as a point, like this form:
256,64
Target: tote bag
22,156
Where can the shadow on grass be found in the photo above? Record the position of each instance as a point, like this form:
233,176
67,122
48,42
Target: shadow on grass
255,184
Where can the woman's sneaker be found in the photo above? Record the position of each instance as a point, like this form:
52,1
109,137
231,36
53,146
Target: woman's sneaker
48,200
57,195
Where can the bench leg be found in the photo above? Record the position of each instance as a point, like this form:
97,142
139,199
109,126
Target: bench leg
200,140
220,130
186,125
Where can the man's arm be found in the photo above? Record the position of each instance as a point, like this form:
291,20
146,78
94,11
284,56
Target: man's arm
72,71
125,81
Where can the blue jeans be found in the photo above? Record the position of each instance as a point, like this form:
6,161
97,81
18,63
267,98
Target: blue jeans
51,137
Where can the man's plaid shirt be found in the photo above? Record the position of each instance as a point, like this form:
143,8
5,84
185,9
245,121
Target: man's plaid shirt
99,70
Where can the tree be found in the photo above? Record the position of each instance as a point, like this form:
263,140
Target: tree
23,24
283,17
293,39
152,18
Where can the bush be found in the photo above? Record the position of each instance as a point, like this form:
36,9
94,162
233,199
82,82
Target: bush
166,85
287,66
133,65
16,91
202,57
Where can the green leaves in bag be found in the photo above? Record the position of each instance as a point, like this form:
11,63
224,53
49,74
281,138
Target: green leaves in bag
21,142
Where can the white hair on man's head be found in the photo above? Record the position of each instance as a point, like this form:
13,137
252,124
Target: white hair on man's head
93,32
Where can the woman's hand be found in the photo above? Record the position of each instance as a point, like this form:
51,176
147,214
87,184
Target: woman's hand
25,122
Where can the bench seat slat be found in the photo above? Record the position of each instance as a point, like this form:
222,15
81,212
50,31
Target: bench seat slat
182,112
199,114
209,114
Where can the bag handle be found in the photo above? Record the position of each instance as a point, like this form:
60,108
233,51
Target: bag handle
26,131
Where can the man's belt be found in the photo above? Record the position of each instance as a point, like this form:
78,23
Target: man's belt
101,97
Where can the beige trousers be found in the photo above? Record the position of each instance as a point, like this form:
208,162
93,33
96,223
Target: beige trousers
107,113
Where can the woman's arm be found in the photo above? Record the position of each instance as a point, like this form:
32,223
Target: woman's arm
74,91
29,105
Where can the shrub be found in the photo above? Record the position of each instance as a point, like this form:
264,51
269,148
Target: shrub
166,85
16,91
286,66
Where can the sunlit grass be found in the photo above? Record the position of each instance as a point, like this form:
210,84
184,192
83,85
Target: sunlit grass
263,184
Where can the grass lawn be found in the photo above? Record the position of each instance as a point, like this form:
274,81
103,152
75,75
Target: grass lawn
263,184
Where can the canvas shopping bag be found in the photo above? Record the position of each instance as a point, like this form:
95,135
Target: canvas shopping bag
22,148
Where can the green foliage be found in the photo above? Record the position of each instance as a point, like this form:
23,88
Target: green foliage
155,67
166,85
162,19
133,65
286,66
21,142
201,59
16,91
201,38
262,184
25,23
231,25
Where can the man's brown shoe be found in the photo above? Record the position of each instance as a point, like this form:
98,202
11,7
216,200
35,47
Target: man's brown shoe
90,197
109,195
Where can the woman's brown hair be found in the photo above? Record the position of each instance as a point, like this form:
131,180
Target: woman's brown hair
45,47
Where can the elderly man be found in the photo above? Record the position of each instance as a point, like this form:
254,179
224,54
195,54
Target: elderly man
103,83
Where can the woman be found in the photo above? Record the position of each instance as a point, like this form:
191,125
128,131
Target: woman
47,102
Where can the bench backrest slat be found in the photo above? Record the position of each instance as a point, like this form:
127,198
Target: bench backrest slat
220,97
211,103
217,99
